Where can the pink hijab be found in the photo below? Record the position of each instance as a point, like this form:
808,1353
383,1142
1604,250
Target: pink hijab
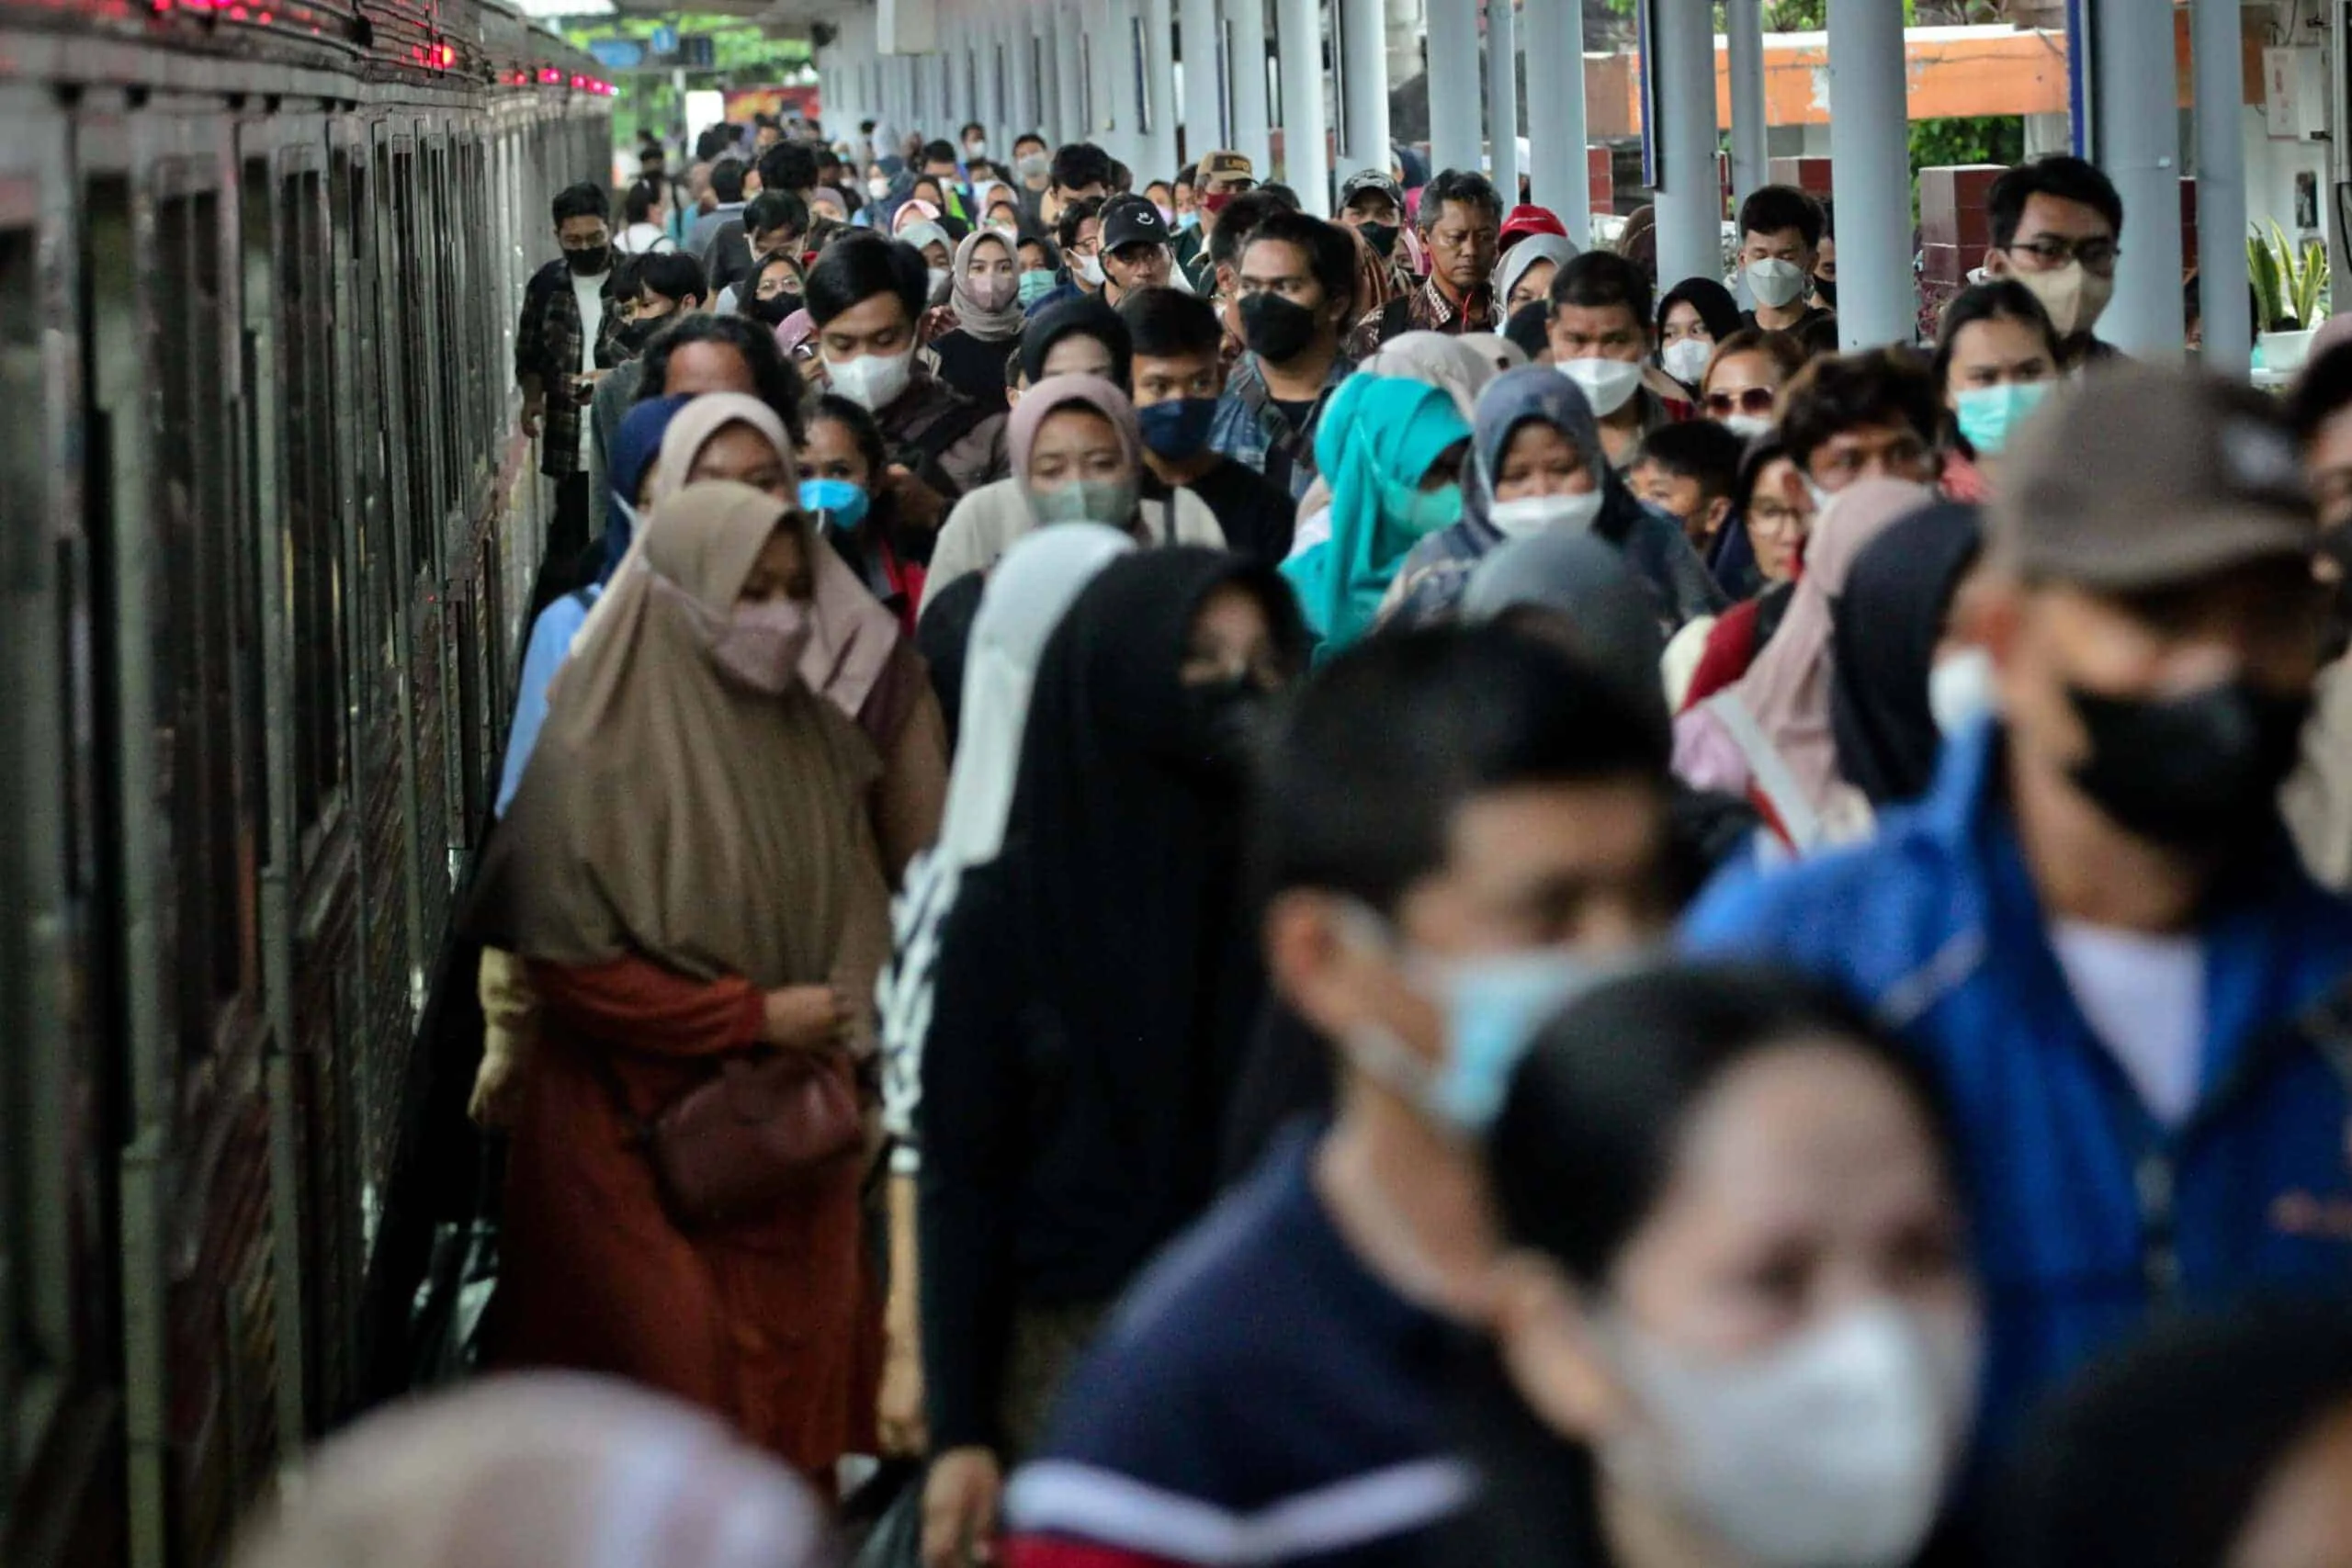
1058,392
1787,689
909,211
556,1470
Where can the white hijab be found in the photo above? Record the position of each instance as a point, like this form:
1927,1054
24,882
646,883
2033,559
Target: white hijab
1028,593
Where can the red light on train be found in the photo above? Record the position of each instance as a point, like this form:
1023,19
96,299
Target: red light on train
578,82
550,77
445,57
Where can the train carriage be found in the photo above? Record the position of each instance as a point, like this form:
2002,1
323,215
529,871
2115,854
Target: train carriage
269,530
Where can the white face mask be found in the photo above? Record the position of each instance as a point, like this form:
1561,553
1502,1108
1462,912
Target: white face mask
1748,426
1608,384
1685,360
1089,268
878,187
1833,1451
941,279
1773,284
873,381
1539,514
1961,691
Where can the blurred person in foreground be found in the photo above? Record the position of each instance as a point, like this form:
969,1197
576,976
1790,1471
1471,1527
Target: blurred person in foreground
1457,823
1736,1321
2093,926
548,1470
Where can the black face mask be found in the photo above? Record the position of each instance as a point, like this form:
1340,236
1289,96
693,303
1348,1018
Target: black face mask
1381,237
1274,328
2195,772
633,337
1227,718
1825,290
773,311
589,259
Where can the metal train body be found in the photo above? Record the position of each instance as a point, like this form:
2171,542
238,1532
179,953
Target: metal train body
267,531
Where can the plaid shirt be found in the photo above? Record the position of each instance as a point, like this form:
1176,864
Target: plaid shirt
1253,432
1425,309
547,346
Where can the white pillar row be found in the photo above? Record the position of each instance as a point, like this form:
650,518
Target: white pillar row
1204,93
1870,168
1363,29
1156,149
1690,200
2220,189
1306,160
1752,163
1555,118
1245,32
1046,109
1502,98
2137,140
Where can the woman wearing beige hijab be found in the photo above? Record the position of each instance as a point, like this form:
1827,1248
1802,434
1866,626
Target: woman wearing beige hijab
548,1470
689,873
856,657
857,654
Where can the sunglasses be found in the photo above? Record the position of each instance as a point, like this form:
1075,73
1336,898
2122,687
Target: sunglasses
1755,399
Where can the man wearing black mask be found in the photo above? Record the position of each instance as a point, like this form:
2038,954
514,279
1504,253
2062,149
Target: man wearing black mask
1178,379
560,348
2092,929
1295,288
1373,205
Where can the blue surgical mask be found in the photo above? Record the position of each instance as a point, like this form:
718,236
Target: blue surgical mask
1188,221
1421,511
1035,284
843,502
1494,1006
1987,415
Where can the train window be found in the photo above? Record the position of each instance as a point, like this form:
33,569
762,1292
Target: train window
36,1190
313,552
213,848
408,284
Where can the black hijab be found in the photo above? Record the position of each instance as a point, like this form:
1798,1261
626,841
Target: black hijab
1888,623
1717,310
1124,846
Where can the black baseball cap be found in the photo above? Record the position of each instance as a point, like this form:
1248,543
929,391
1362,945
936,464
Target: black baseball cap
1132,220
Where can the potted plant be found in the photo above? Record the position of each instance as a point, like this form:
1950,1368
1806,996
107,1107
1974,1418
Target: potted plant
2291,294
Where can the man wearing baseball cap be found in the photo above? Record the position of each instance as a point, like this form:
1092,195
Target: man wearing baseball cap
1135,247
1373,205
2093,927
1217,180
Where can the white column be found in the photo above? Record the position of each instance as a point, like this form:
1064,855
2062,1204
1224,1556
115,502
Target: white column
1156,149
1453,84
1117,60
1363,78
1871,174
1306,160
1070,123
1245,65
1690,200
2137,141
1555,122
1502,97
1751,157
2220,189
1204,98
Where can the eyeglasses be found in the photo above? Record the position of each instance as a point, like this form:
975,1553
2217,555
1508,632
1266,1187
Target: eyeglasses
2097,254
1754,399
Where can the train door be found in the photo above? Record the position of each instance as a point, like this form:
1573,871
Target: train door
60,1382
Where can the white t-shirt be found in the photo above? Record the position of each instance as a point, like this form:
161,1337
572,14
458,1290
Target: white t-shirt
2144,997
589,294
644,240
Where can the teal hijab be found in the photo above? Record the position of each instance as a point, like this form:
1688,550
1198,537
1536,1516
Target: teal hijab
1375,441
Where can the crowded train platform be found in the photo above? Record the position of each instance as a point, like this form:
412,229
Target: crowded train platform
1011,811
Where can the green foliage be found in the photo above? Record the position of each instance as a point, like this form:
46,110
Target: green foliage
2290,282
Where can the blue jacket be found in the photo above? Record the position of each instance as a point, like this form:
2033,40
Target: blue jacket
2087,1212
